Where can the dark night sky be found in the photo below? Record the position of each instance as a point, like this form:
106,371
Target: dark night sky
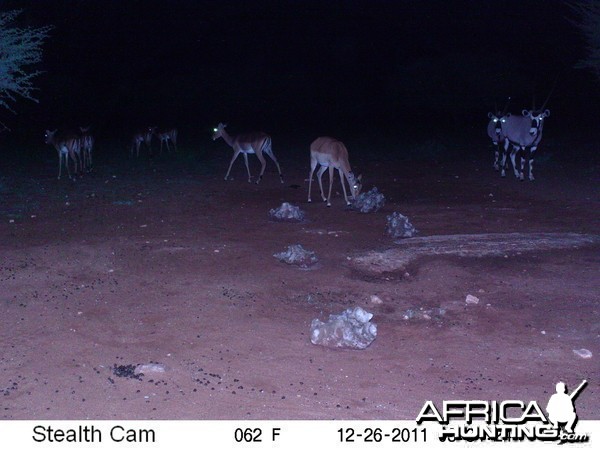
305,66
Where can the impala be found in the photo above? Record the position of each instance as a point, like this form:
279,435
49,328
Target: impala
166,137
87,145
331,153
67,146
258,143
144,136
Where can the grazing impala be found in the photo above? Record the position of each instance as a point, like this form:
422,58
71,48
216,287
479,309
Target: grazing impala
166,137
67,146
87,145
144,136
258,143
331,153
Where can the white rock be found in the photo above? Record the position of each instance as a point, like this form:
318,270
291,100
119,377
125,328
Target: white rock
376,300
150,368
287,212
351,329
471,299
583,353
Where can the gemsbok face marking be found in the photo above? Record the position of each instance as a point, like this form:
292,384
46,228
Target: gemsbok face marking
537,119
524,133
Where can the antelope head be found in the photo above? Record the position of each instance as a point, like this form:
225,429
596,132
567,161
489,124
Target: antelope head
218,131
49,136
355,184
537,119
499,118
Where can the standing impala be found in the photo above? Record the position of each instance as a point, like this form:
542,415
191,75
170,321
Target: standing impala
331,153
258,143
166,137
87,145
144,136
67,146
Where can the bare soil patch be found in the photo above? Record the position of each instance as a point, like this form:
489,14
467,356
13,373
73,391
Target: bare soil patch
161,261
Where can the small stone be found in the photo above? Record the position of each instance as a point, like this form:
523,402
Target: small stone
471,299
583,353
398,226
287,213
150,368
376,300
351,329
371,201
297,255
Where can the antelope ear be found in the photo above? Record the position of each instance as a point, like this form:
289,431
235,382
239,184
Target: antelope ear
359,178
547,113
490,115
507,115
526,113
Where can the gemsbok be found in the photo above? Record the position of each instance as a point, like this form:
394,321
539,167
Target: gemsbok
494,131
67,146
333,154
524,133
258,143
87,145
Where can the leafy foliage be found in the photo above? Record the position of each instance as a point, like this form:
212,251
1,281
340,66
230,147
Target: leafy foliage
19,49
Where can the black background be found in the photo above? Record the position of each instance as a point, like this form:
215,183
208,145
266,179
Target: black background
305,67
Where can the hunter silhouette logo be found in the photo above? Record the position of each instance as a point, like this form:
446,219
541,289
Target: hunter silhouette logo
508,420
561,407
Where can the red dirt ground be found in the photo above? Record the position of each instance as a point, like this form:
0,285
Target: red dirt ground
162,260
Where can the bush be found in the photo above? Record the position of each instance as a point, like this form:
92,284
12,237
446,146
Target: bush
19,49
